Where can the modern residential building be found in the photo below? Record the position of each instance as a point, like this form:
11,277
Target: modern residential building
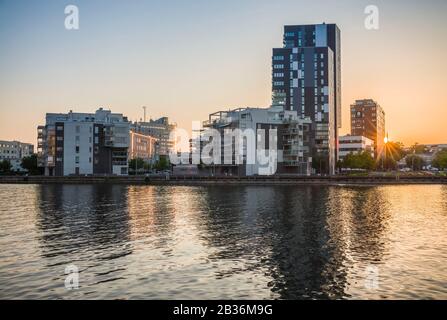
14,151
161,130
368,120
306,78
292,141
84,143
142,146
354,144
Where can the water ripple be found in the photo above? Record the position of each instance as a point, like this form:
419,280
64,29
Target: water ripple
224,242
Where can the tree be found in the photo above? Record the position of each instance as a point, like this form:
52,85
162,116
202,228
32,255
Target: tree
320,163
136,165
5,166
162,164
389,163
147,166
362,160
30,164
440,160
339,164
396,150
417,148
414,162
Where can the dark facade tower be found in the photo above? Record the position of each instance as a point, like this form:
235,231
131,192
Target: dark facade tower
306,78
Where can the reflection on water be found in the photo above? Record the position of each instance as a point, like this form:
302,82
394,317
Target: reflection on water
221,242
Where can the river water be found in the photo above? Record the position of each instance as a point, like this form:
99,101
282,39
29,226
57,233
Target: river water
223,242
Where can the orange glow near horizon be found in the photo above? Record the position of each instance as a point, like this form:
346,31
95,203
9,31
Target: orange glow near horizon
187,65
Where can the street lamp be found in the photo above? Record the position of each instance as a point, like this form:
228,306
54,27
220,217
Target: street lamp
385,140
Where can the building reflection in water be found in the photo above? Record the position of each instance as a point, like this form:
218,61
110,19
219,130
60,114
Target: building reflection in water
87,226
299,239
217,242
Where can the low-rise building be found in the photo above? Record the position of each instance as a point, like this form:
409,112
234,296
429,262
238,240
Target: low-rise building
161,130
84,143
354,144
14,152
142,146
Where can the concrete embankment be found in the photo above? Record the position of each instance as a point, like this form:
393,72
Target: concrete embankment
258,180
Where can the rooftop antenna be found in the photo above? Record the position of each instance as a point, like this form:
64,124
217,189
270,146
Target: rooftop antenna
144,108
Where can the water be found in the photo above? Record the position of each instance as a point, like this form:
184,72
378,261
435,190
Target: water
222,242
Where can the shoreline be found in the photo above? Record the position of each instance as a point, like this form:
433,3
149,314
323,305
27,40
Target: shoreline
203,181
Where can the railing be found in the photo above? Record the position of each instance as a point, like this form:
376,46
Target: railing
186,179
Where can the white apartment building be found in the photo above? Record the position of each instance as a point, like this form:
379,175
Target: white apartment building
354,144
84,143
292,141
14,151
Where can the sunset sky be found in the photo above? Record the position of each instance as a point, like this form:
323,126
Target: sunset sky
186,59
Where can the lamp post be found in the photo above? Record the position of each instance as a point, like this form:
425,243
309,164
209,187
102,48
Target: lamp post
385,140
144,117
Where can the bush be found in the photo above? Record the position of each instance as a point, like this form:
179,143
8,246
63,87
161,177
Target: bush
5,166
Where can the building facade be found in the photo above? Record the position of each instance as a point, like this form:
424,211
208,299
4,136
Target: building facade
84,143
306,78
368,120
354,144
292,141
14,151
161,130
142,146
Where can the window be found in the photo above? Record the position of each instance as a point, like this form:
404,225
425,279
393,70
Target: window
77,160
278,66
59,128
77,149
278,75
290,34
77,138
96,130
278,58
289,44
278,83
78,129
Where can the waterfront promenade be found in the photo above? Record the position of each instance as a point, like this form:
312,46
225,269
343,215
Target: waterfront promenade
228,180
